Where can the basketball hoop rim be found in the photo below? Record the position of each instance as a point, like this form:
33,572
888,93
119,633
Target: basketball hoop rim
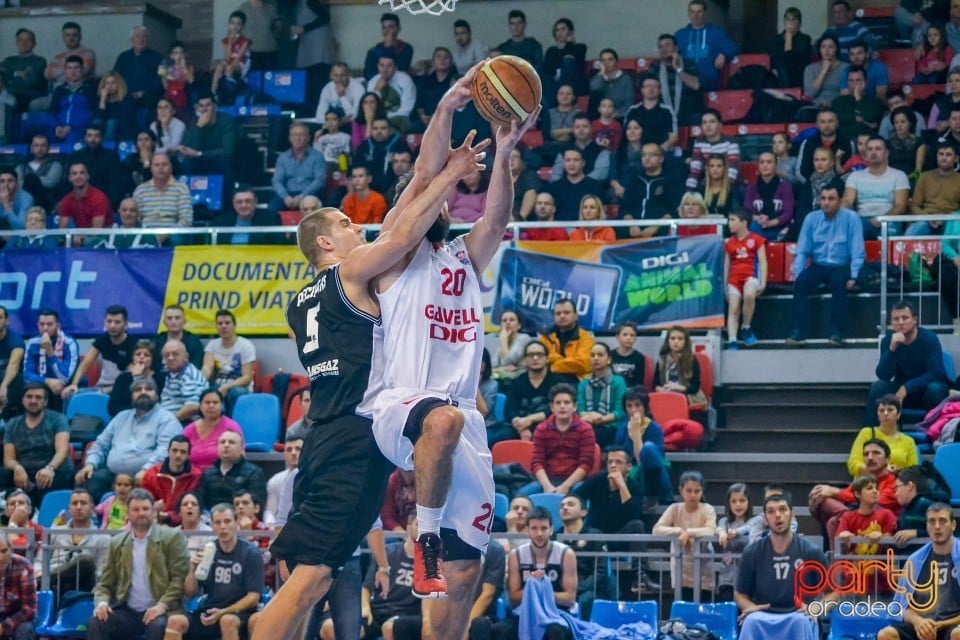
418,7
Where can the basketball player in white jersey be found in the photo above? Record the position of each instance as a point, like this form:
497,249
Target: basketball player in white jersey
341,480
426,419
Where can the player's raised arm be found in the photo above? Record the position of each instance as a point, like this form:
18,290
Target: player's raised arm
367,261
435,146
484,238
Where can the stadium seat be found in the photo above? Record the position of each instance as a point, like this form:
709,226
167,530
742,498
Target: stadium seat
258,415
948,366
550,502
52,504
796,128
744,60
667,405
749,172
775,272
257,376
501,505
583,103
706,376
876,12
513,451
297,382
544,173
14,150
597,459
611,614
856,627
533,139
93,403
45,613
289,87
68,623
649,369
612,211
914,92
293,414
732,105
720,617
947,462
643,64
92,375
921,440
499,405
414,140
901,65
205,190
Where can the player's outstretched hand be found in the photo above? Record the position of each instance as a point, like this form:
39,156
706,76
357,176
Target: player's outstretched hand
468,158
458,95
507,139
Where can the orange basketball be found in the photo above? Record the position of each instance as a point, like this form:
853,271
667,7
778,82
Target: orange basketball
506,88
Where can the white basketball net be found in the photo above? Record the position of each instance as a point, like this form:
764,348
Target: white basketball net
434,7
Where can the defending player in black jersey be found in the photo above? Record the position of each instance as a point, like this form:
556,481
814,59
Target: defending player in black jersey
339,488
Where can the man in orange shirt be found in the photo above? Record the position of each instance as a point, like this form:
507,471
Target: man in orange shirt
363,205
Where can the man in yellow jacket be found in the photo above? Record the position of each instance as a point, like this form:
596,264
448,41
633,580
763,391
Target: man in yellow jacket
568,346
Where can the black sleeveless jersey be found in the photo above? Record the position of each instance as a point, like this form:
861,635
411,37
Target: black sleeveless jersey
335,345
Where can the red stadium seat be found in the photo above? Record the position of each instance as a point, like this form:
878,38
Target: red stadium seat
649,369
684,134
744,60
294,414
914,92
533,139
788,255
872,248
752,129
775,255
732,105
876,12
901,65
257,378
544,173
513,451
793,92
748,171
92,373
597,459
668,405
290,219
644,64
706,378
612,211
583,103
414,140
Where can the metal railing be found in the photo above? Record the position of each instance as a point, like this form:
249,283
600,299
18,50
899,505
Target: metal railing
901,243
213,233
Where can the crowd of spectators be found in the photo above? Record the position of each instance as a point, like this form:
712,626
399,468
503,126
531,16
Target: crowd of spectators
171,454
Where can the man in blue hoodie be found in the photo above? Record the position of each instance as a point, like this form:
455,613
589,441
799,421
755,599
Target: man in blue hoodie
704,44
927,606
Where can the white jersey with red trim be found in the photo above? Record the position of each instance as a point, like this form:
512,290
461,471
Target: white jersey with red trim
432,324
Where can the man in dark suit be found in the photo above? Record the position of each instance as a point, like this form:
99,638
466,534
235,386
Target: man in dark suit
246,214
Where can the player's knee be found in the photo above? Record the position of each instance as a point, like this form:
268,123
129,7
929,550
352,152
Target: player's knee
178,624
229,623
252,623
889,633
444,422
955,633
326,630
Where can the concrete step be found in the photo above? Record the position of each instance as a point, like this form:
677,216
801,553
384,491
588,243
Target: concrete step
762,439
794,395
796,418
726,468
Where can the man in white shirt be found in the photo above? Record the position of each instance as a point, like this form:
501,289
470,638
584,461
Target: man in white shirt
342,93
229,359
291,458
466,51
881,190
397,90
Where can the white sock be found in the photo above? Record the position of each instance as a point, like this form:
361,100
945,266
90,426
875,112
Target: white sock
428,519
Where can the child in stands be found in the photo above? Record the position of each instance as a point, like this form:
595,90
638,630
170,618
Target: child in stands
333,143
236,53
733,531
607,130
112,511
867,521
627,362
786,163
677,370
745,272
856,163
690,519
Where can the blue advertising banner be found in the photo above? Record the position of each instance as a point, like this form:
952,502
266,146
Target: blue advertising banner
80,283
669,281
529,283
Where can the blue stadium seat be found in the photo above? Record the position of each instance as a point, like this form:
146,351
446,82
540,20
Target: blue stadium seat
45,613
949,367
550,502
503,606
205,190
719,618
52,504
123,148
501,505
258,415
252,111
92,403
947,462
70,622
500,405
856,627
611,614
289,87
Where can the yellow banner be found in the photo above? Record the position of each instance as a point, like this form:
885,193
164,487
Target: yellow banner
255,283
